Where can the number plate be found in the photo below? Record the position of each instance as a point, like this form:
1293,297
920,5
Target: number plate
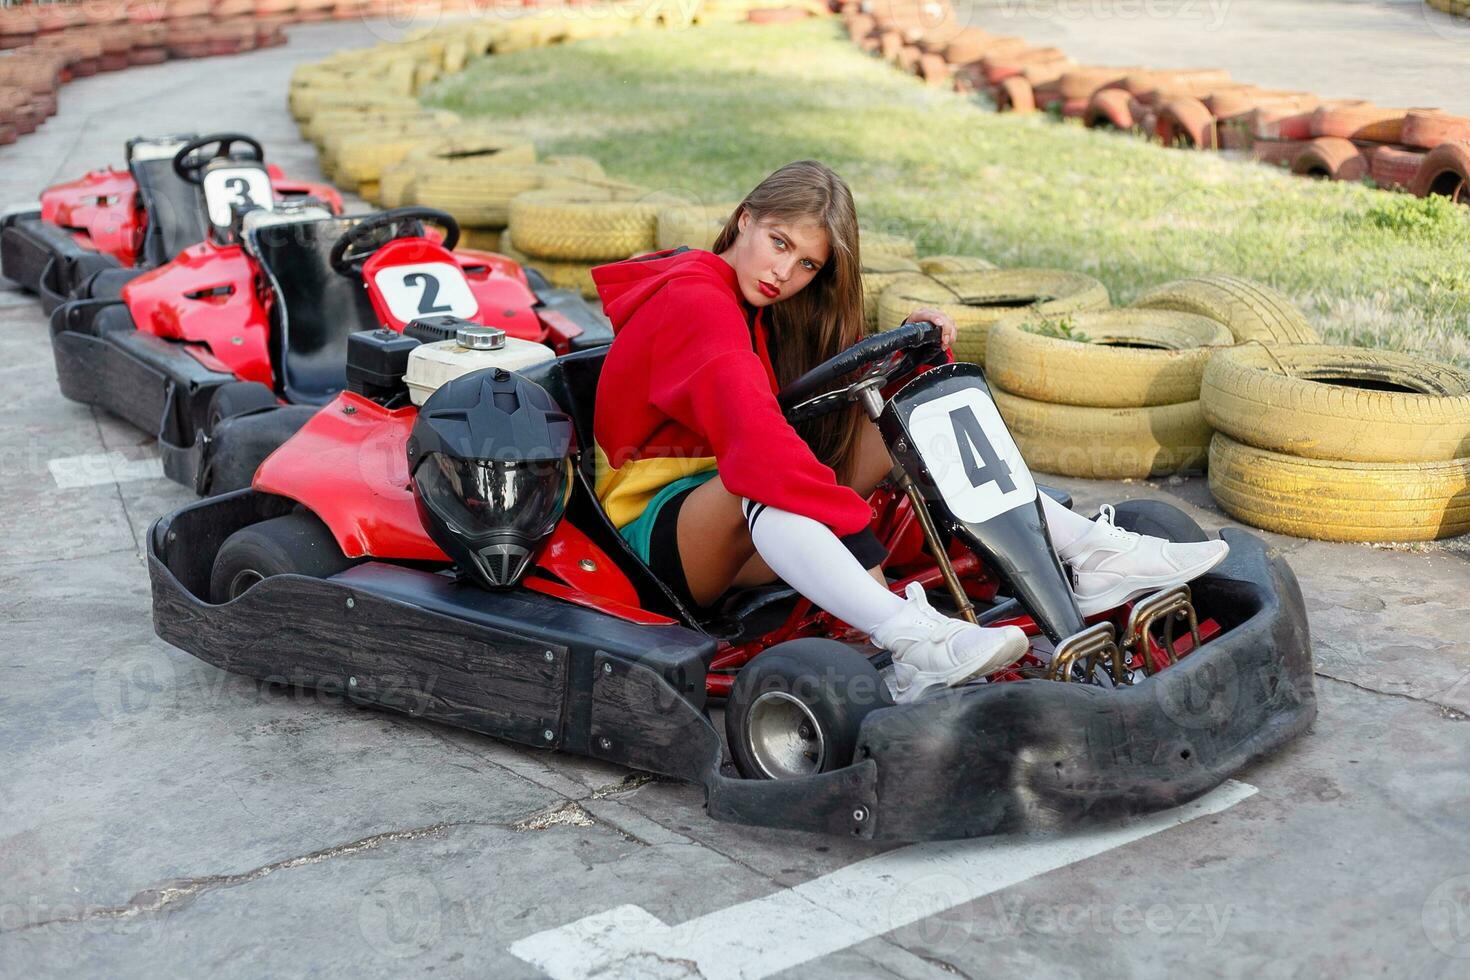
970,455
245,187
426,289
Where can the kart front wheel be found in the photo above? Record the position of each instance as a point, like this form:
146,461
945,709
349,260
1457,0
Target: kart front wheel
296,544
1160,520
795,710
236,398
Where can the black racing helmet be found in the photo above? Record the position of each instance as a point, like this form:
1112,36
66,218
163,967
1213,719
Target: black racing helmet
491,461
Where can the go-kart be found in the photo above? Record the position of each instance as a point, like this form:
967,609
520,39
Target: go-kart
224,351
172,191
322,576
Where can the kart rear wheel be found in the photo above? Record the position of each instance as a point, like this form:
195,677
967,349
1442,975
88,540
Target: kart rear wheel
796,709
236,398
1158,519
296,544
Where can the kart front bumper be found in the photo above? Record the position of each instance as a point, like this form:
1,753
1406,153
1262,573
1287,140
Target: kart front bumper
981,760
45,259
157,386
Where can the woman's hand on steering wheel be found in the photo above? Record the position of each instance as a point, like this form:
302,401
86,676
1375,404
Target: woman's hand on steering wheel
947,329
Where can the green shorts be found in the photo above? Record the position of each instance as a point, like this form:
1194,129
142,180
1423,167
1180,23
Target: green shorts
639,532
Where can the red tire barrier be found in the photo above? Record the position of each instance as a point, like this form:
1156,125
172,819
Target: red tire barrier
1394,167
1015,95
1110,108
1359,121
1331,158
1277,153
1186,123
1445,171
1427,129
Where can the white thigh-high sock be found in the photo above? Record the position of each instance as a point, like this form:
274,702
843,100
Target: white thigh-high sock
814,562
1067,527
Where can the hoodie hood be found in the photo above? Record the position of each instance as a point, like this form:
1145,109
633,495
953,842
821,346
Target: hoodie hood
626,286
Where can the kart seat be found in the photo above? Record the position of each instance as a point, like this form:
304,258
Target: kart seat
316,309
176,216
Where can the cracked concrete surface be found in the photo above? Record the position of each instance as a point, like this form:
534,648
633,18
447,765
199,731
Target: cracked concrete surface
158,816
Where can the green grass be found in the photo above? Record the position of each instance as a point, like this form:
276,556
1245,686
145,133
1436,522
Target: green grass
706,113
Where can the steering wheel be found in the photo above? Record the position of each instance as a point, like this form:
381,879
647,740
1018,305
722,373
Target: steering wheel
882,357
191,169
354,246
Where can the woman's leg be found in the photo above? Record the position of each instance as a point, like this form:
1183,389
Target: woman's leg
873,464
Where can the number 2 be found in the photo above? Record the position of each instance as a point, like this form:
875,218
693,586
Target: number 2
971,439
430,292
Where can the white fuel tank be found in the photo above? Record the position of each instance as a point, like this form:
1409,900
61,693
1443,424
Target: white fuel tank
472,349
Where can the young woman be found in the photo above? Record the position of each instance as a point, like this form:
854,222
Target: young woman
713,488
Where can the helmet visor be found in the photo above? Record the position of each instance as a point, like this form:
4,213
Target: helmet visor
481,498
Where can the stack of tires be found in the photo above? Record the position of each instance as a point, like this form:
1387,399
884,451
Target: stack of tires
1115,394
1110,394
566,231
1339,443
476,179
975,300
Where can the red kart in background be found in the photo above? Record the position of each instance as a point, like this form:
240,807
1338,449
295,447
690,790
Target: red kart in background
90,233
227,349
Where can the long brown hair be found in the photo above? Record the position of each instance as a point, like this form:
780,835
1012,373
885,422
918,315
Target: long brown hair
826,317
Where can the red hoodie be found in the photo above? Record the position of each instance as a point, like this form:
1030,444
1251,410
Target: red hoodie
688,386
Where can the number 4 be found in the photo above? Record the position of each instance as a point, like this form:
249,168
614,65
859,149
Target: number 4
971,439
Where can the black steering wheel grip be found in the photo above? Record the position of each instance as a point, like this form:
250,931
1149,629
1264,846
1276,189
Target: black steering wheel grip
355,244
191,170
809,397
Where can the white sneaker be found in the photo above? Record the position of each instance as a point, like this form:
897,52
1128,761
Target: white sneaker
931,651
1111,565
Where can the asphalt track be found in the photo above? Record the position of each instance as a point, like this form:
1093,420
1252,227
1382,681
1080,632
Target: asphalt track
160,817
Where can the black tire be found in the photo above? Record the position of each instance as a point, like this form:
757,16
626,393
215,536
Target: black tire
297,544
236,398
820,686
1159,520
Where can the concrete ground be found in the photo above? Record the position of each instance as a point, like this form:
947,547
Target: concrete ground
160,817
1392,52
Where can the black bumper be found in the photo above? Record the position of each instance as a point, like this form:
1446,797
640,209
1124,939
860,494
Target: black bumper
520,666
44,259
155,385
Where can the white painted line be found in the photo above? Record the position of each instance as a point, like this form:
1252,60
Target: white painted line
96,469
865,899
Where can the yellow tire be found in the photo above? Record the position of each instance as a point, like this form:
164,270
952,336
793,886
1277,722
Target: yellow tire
936,265
1342,403
1340,501
1251,311
587,224
1128,359
691,224
877,245
878,275
977,299
471,148
562,275
481,198
1106,443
